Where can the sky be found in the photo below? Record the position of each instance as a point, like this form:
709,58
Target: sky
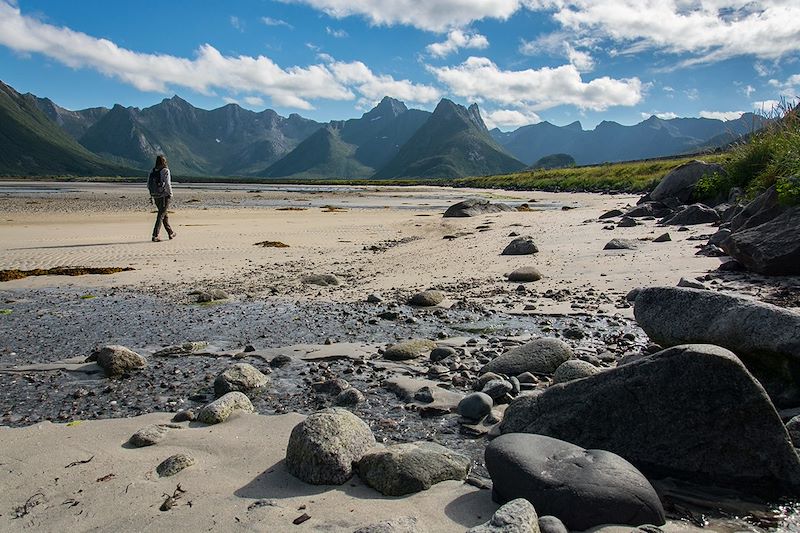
522,61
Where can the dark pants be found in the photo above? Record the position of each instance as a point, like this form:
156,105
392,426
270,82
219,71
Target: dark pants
162,218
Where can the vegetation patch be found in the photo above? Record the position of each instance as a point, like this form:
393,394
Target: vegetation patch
5,311
272,244
8,275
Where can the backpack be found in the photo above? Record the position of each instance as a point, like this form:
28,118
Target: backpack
154,183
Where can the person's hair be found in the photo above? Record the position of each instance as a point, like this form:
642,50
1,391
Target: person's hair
161,162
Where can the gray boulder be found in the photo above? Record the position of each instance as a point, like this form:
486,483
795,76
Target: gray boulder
410,349
627,222
574,369
525,274
349,397
649,209
793,427
539,356
148,436
765,337
583,488
760,210
516,516
691,215
772,248
521,246
411,467
475,405
116,360
323,448
620,244
691,284
680,182
692,412
611,214
473,207
427,298
242,377
223,407
323,280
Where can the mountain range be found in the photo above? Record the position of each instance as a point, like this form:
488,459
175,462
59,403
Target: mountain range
38,137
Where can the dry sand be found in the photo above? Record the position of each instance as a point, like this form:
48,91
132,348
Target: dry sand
240,461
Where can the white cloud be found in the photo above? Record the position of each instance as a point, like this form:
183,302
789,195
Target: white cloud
338,34
269,21
667,115
721,115
747,90
237,23
583,61
511,118
787,88
255,101
478,78
373,86
456,40
692,94
438,15
209,70
709,30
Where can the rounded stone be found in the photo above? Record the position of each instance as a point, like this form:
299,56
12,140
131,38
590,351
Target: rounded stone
521,246
574,369
442,352
410,349
475,406
174,464
148,436
241,377
117,360
539,356
427,298
516,516
525,274
349,397
221,409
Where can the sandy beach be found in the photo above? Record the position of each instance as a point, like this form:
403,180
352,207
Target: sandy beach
65,462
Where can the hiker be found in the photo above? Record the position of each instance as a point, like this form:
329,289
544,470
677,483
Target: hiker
160,185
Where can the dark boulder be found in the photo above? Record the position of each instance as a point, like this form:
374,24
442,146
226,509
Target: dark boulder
649,209
680,182
691,215
583,488
765,337
521,246
691,412
772,248
473,207
761,209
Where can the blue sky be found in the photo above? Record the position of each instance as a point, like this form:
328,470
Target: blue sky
523,61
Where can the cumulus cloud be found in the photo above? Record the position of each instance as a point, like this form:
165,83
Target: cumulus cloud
269,21
557,44
510,118
478,78
439,15
209,70
456,40
255,101
709,30
721,115
665,115
788,87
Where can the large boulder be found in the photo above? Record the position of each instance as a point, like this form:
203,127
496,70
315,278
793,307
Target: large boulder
223,407
517,516
323,448
583,488
539,356
772,248
411,467
242,377
410,349
680,182
692,412
473,207
765,337
521,246
691,215
117,360
761,209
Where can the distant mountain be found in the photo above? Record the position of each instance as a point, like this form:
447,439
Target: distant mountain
453,142
31,144
353,148
224,141
611,141
75,123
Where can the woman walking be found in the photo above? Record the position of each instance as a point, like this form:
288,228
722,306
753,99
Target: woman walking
160,185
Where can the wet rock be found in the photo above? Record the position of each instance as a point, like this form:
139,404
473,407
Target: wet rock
525,274
424,395
539,356
116,360
551,524
411,467
410,349
427,298
497,388
574,333
441,353
349,397
680,182
521,246
174,464
793,427
241,377
222,408
574,369
483,379
211,295
148,436
764,336
406,524
516,516
700,415
185,416
473,207
330,386
323,280
323,447
584,488
279,361
475,406
620,244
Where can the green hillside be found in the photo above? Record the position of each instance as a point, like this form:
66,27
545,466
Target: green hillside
33,145
453,142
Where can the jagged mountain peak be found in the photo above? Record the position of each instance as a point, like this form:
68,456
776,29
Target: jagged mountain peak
388,106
